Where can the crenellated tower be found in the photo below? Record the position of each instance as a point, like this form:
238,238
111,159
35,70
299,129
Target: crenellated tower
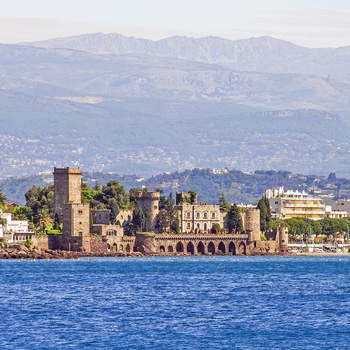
69,209
149,203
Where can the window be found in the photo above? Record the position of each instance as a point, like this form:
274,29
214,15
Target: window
155,207
205,215
213,215
80,212
198,215
188,225
188,214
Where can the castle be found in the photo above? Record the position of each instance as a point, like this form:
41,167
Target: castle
91,231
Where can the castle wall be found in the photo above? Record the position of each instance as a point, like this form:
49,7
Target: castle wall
101,216
108,230
145,243
98,246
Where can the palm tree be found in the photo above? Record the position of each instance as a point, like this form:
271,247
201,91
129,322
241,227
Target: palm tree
44,219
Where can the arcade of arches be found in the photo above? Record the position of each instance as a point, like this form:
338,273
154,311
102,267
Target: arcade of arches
202,245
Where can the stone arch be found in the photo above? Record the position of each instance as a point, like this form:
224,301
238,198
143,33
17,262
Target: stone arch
162,249
232,248
205,226
180,247
242,248
190,248
115,247
128,248
170,249
222,247
200,248
211,248
108,247
121,248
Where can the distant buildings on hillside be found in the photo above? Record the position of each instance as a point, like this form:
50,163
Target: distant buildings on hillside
287,204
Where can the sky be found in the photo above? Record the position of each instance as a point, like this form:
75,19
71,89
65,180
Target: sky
309,23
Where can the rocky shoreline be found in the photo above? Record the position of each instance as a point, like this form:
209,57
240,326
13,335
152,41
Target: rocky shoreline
20,252
23,252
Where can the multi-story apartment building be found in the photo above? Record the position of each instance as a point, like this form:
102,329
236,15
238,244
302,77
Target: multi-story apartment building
294,204
341,205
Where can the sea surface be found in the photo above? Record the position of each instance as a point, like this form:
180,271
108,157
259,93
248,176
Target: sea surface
176,303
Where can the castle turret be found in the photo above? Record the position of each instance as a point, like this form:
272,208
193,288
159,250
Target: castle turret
69,209
282,236
149,203
67,187
251,223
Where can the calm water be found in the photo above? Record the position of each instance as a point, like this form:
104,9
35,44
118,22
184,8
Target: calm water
176,303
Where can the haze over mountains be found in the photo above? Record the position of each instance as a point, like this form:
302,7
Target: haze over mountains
112,103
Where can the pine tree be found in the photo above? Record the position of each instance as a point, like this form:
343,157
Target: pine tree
223,203
265,214
235,222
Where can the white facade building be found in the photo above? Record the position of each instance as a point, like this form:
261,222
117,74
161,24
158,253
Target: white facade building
14,229
294,204
341,205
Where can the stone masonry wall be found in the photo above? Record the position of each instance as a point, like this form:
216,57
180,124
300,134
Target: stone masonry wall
97,245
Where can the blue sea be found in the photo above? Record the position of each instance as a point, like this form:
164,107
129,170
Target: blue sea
168,303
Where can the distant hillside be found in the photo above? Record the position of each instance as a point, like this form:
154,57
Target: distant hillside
264,54
133,106
238,186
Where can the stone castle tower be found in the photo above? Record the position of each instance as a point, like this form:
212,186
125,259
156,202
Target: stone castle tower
70,211
67,185
149,203
251,223
282,238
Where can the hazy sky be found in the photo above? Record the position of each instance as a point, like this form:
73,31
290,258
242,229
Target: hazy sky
311,23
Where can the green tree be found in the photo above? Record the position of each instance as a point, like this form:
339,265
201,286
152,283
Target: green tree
22,213
133,194
3,198
215,228
223,203
138,220
265,214
114,197
168,218
44,219
234,222
40,198
163,220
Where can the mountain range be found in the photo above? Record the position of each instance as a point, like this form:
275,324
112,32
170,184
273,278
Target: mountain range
134,106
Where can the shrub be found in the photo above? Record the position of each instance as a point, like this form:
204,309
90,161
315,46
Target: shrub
29,243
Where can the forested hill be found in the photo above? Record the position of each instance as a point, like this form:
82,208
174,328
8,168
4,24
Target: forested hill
238,186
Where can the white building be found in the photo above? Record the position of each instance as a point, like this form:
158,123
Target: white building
335,214
15,229
341,205
294,204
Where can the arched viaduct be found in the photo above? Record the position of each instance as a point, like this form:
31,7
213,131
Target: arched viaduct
192,244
